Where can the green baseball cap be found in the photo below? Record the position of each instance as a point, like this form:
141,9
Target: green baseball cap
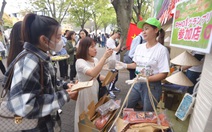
151,21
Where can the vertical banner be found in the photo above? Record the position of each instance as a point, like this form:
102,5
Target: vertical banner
192,25
132,33
157,7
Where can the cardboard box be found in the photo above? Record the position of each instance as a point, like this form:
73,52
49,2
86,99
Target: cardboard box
85,122
109,77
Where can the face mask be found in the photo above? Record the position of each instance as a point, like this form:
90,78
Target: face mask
58,46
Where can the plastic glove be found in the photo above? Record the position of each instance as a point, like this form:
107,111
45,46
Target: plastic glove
121,65
139,79
129,81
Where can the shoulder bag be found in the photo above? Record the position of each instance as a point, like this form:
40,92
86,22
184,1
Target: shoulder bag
9,122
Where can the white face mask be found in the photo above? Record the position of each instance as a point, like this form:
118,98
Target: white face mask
57,46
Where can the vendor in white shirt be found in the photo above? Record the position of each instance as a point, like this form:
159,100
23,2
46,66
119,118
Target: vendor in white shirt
152,60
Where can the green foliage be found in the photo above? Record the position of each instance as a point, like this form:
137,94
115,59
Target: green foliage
141,8
100,12
53,8
79,12
8,23
109,17
146,9
105,14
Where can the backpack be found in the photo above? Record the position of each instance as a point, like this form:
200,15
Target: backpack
141,39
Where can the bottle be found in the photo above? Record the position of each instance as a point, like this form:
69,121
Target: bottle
148,71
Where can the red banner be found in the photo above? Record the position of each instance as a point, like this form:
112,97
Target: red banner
132,33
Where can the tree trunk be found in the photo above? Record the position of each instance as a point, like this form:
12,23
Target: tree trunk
64,14
2,9
123,10
95,23
1,20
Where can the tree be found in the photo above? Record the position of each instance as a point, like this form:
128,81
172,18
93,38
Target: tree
80,12
96,15
53,8
109,17
123,11
2,9
1,20
141,8
8,23
103,14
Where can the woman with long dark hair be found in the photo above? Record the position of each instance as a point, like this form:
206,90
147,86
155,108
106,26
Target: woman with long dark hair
27,97
82,34
16,44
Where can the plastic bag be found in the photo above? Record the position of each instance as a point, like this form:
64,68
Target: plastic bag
109,106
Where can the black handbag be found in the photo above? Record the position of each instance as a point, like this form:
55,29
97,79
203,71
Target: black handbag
102,89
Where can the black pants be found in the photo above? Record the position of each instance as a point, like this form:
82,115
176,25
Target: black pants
63,66
112,84
45,124
73,71
132,73
3,70
3,54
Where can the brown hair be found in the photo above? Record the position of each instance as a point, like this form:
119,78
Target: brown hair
82,50
16,44
69,35
161,35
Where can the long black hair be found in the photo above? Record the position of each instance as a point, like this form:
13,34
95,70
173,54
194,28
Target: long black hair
36,25
83,30
16,44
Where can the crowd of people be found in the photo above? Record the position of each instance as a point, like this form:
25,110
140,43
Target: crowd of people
34,40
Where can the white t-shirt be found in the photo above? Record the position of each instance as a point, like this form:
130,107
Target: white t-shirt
112,44
2,47
199,67
156,57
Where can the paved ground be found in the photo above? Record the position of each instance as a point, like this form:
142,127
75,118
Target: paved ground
67,115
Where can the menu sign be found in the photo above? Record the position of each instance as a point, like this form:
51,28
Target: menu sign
192,25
